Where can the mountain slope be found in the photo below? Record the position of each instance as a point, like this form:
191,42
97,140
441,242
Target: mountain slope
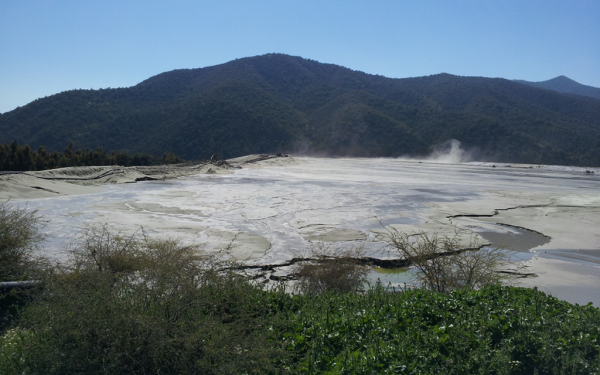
565,85
276,102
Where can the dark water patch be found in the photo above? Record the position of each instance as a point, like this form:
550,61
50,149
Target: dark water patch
589,257
517,239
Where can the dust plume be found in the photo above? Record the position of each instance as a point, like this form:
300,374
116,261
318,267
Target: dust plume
449,152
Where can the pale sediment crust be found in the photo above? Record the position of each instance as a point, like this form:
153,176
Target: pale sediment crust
82,180
558,213
150,217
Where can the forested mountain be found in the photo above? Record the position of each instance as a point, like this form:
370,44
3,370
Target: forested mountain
276,102
565,85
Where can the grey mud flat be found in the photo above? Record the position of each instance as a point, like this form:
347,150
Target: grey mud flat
272,209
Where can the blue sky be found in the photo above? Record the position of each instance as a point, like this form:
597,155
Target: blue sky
49,46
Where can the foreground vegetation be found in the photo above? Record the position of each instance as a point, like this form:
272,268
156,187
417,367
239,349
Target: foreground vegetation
137,305
89,325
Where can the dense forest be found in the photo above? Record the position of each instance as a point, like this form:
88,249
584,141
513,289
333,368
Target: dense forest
279,103
14,157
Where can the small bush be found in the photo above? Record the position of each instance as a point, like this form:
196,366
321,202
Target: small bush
334,270
444,264
20,237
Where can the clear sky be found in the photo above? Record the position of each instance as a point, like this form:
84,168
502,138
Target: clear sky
49,46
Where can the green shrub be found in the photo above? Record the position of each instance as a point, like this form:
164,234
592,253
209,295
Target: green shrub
325,269
136,305
20,237
494,330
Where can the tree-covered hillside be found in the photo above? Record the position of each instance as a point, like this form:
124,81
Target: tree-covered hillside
565,85
276,102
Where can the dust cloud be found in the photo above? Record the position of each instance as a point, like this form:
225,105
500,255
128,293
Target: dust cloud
448,152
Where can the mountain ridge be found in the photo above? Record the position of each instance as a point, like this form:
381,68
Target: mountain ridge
276,102
565,85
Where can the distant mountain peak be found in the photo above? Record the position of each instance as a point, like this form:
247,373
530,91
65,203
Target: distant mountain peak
565,85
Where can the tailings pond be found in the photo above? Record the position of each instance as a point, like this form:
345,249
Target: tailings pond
267,214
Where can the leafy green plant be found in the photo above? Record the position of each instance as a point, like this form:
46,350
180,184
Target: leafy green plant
494,330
